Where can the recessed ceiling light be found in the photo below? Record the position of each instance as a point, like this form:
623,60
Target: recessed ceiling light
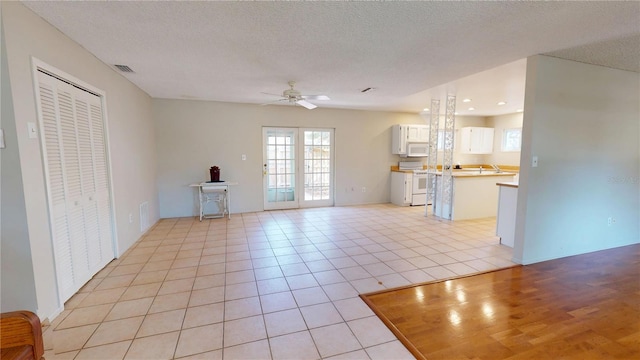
519,110
425,109
471,108
502,103
455,113
466,100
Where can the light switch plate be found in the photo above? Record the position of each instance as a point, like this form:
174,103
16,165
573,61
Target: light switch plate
33,130
244,157
2,146
534,161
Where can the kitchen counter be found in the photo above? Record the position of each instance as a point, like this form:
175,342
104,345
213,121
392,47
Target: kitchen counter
478,174
475,195
513,184
396,168
402,171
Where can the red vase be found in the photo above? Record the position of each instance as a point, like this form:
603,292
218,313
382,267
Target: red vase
215,174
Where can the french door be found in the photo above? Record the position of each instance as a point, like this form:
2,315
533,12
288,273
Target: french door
297,168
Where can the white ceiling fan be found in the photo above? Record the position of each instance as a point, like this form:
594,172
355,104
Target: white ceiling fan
295,97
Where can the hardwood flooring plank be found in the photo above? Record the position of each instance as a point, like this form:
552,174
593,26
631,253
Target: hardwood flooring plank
585,306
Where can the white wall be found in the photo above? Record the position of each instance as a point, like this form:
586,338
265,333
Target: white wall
583,123
192,136
130,130
15,253
499,124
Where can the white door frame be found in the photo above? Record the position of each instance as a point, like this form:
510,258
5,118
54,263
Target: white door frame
298,163
271,194
317,203
38,65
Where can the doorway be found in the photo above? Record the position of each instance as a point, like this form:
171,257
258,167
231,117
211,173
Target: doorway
298,167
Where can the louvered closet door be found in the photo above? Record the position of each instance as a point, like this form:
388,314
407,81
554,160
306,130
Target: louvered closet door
101,180
54,164
72,126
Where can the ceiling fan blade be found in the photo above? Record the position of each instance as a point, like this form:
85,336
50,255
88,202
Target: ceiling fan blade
306,104
273,102
316,97
278,95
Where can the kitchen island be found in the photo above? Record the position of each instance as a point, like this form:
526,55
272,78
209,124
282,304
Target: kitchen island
475,194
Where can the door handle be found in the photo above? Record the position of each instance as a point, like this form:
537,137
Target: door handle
264,171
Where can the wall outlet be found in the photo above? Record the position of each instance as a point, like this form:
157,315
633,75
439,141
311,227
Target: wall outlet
130,218
364,189
611,220
244,157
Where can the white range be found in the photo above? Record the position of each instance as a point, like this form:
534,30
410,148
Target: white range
409,184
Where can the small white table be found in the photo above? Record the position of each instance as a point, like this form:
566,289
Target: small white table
214,192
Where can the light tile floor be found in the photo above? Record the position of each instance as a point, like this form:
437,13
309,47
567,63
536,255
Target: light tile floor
266,285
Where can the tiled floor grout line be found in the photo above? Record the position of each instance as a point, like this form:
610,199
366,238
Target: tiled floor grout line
313,249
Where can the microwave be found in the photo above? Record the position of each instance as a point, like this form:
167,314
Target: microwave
416,149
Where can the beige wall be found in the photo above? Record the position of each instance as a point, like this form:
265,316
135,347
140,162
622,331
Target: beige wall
499,124
582,122
130,128
15,252
192,136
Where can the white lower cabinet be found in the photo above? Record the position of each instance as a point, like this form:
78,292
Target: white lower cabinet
401,188
506,219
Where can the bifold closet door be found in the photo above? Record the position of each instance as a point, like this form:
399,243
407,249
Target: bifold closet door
77,181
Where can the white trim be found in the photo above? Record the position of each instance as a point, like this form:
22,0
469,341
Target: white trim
51,316
43,148
332,185
51,70
112,197
503,141
36,66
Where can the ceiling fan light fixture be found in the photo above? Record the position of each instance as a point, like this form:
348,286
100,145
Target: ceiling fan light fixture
295,97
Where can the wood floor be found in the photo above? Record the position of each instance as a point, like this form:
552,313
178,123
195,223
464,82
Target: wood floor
580,307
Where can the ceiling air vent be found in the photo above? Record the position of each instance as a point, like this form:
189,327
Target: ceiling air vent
124,68
367,89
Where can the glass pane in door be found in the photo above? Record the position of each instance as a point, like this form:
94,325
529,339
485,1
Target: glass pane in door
317,165
280,168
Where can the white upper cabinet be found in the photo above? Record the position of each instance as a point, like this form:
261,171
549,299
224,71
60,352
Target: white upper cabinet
401,135
476,140
399,139
417,133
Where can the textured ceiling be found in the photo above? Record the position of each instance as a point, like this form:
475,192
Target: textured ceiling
406,51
